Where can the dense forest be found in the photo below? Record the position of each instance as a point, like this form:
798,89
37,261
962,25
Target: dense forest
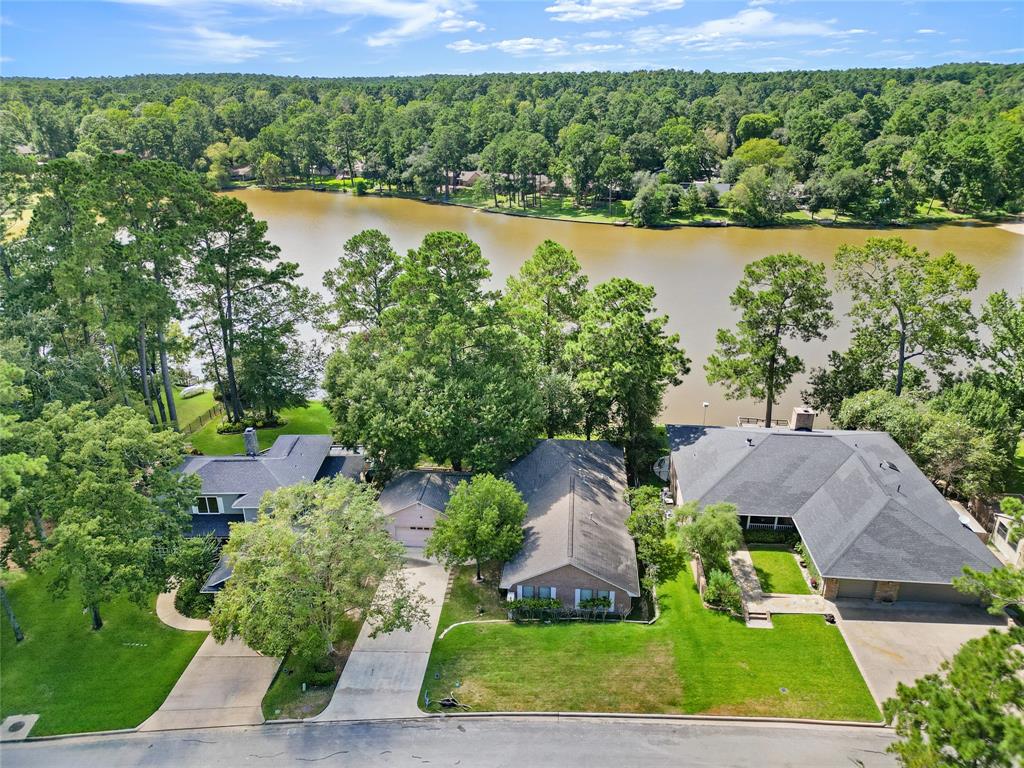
867,144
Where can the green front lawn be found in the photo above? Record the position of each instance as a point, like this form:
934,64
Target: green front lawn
469,600
691,661
314,419
777,569
80,680
285,698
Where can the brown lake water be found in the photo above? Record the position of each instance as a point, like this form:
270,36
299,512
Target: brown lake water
693,269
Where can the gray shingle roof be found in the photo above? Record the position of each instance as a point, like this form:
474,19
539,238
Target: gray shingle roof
575,493
859,517
432,488
290,460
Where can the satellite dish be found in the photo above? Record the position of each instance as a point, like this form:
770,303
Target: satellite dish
661,468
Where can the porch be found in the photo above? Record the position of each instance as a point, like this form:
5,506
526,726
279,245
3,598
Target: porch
763,523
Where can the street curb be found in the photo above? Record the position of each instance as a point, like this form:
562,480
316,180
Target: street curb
60,736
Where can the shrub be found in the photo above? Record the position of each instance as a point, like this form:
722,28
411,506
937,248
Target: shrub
256,422
789,538
360,187
723,592
534,608
189,601
321,679
714,532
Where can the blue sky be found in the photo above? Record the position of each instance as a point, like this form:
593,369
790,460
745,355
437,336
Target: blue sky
379,37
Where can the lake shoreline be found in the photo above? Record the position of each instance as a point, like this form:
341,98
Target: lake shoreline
1010,224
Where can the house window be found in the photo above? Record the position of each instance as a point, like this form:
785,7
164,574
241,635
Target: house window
1002,531
586,594
527,592
544,592
207,505
604,593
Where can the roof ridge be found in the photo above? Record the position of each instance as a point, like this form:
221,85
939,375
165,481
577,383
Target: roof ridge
860,532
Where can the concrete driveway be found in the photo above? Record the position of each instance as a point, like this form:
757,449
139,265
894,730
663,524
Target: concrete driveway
383,675
223,685
899,643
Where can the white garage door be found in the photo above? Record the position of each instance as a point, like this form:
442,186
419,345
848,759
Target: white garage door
933,593
856,588
413,536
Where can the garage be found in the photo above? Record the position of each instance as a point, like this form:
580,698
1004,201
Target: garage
934,593
412,535
856,588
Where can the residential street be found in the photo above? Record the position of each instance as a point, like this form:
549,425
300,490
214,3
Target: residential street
481,743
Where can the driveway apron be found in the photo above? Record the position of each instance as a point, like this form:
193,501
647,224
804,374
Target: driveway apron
383,675
223,685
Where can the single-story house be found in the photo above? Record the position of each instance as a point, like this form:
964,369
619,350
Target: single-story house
466,179
576,545
232,486
240,172
872,523
414,498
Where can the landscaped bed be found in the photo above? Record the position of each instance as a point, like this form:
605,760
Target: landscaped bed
691,661
285,697
80,680
777,569
314,419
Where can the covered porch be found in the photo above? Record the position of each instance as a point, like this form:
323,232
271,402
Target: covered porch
766,523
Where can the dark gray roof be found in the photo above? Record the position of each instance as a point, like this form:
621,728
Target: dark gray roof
215,525
432,488
348,465
221,573
575,493
290,460
862,507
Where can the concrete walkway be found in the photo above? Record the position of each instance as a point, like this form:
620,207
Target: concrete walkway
222,685
756,600
383,675
169,615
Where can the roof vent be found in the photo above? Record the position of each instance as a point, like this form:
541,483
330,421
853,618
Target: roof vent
750,442
889,465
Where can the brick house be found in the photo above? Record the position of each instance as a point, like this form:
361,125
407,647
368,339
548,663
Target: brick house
576,545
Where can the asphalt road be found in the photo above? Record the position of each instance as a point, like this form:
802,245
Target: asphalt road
483,743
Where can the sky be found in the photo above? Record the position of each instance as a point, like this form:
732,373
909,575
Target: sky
54,38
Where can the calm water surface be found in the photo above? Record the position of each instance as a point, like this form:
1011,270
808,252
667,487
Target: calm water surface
693,270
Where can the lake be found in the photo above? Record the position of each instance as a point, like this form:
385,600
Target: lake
693,269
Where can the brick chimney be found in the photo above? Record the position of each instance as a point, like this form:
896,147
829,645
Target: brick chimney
252,445
802,419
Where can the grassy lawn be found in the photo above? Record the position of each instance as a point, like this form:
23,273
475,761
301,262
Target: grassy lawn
192,407
285,698
80,680
470,600
691,661
777,569
314,419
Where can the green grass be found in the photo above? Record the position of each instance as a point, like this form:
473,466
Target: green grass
285,698
777,570
691,661
314,419
192,407
469,600
80,680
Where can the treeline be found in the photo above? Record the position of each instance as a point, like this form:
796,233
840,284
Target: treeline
873,144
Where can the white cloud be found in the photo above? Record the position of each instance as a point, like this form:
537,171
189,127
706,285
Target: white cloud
521,46
826,51
586,11
405,18
216,45
467,46
927,31
749,28
596,47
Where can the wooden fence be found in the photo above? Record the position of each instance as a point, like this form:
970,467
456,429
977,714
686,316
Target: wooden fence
202,419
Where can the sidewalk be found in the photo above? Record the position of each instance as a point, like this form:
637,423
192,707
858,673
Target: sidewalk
169,615
756,600
383,675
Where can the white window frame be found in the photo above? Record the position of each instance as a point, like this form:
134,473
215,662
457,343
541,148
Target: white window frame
196,510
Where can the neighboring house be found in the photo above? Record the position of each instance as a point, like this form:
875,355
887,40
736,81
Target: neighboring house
467,179
576,545
232,486
873,524
1008,539
413,499
241,172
